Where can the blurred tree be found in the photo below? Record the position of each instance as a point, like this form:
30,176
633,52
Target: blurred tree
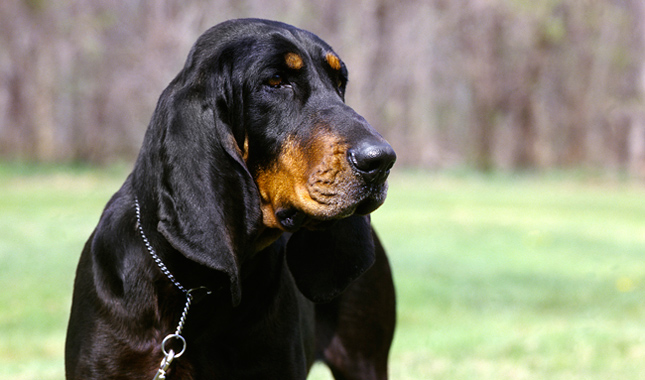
516,84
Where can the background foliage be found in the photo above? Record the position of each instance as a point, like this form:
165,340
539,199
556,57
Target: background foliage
489,83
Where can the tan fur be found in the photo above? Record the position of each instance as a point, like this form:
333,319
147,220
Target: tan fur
294,61
333,61
245,153
311,177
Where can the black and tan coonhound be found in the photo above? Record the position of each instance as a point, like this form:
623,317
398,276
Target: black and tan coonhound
252,189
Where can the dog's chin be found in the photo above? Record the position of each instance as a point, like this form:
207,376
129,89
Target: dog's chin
293,218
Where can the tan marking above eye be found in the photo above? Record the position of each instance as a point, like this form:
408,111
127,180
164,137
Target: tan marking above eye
333,61
294,61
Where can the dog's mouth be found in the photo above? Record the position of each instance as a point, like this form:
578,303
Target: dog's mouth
318,211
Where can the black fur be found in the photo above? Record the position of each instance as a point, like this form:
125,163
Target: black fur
216,126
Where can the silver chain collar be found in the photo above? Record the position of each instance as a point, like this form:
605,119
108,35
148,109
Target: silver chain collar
169,354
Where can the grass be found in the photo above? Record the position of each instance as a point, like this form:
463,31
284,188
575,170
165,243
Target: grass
498,277
516,277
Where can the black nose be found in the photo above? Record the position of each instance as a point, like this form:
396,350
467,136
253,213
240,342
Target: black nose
373,160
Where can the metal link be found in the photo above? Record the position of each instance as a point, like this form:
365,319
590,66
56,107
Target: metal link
189,301
165,363
169,338
152,252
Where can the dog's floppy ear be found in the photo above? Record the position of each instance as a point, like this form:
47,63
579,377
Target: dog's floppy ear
323,263
208,204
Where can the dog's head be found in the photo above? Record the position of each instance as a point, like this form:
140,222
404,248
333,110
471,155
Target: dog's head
253,138
312,157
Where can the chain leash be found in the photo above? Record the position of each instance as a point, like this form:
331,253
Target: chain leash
169,353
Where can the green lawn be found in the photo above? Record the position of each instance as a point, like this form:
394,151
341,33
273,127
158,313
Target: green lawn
498,277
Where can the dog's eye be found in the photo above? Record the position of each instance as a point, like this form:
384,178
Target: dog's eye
276,81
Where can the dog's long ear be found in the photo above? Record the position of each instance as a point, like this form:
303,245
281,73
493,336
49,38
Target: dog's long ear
323,263
208,204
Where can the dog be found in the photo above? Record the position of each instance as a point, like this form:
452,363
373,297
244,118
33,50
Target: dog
240,246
